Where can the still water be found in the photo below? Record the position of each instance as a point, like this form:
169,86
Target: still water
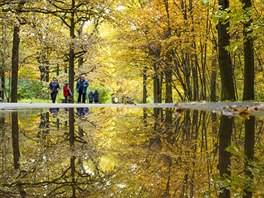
130,152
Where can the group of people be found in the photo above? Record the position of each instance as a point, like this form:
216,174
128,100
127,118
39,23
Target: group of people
93,97
81,88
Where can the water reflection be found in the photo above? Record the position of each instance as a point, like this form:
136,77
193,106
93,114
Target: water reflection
122,152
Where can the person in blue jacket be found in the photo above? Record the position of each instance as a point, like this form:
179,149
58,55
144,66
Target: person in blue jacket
81,88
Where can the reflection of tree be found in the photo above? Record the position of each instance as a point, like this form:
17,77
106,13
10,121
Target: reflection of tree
72,163
15,140
121,155
225,133
16,151
249,154
43,126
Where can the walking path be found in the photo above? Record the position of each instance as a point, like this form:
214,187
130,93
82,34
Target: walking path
226,108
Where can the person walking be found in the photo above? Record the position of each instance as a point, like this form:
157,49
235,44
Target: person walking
81,88
90,97
96,96
66,92
54,88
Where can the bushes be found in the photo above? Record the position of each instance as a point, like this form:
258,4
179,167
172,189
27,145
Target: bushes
104,93
28,89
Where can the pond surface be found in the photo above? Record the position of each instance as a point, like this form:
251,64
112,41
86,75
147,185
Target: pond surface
130,152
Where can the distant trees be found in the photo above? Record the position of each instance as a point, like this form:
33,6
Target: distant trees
176,44
182,40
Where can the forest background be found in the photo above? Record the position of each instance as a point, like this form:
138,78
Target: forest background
133,50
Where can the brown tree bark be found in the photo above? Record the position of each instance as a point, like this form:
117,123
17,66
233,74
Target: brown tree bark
71,52
224,59
15,59
15,55
249,75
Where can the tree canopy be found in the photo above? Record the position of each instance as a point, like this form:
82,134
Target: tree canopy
154,51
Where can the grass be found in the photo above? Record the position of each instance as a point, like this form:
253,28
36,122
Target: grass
34,100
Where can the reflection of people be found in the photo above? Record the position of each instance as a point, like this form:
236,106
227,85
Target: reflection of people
90,97
54,111
66,92
96,96
54,88
82,111
81,88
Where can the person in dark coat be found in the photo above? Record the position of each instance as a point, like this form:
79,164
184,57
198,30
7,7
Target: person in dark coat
81,88
90,97
96,96
54,88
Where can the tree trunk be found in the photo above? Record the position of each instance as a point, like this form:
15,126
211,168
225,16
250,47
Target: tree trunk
225,133
248,92
225,64
144,99
213,82
2,89
71,52
145,94
168,80
15,57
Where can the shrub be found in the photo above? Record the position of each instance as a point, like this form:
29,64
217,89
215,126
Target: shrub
28,89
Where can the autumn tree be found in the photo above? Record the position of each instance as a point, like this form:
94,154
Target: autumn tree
15,53
248,92
225,64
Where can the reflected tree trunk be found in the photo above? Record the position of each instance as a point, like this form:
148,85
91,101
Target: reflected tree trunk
249,153
4,141
15,140
194,133
16,151
72,160
225,133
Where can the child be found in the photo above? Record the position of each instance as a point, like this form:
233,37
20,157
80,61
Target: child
66,92
91,96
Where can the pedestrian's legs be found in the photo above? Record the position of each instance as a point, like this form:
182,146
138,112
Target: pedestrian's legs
79,97
66,99
83,97
54,96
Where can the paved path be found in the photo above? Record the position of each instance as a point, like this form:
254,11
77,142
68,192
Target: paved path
254,108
